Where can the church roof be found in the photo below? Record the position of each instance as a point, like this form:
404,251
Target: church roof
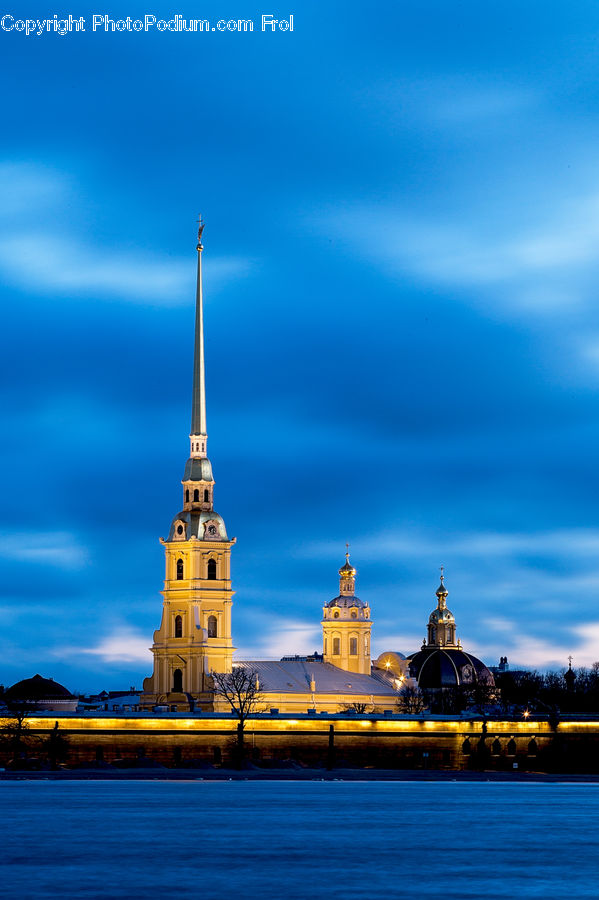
441,615
195,520
198,469
295,677
347,602
436,667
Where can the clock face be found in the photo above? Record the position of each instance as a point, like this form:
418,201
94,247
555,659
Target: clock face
212,530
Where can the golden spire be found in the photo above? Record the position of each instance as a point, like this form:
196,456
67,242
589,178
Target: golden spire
198,403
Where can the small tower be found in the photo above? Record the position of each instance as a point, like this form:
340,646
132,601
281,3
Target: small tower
194,637
569,675
346,626
441,622
442,663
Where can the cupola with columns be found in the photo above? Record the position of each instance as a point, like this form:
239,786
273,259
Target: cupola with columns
441,629
346,625
194,637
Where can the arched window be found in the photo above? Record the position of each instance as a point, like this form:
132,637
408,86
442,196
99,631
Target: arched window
196,496
187,495
212,569
496,747
532,747
467,746
212,626
177,681
179,570
206,496
511,747
178,626
353,646
335,646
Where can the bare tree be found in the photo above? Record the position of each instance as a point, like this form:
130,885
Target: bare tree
482,697
357,707
241,689
15,738
410,700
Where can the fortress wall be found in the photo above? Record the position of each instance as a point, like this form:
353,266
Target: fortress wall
389,742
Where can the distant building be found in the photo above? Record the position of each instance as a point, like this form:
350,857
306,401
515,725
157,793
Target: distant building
503,666
40,694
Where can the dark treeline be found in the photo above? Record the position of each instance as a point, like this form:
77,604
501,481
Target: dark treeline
549,693
19,746
576,691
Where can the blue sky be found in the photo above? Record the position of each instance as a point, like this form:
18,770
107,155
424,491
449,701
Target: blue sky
401,259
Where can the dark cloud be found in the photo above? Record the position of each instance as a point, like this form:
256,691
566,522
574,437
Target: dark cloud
401,328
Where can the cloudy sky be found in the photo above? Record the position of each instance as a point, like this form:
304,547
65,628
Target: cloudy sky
401,267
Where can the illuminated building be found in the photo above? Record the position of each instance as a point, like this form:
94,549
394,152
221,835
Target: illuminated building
195,635
442,662
346,626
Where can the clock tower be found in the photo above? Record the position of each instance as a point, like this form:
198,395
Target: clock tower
194,637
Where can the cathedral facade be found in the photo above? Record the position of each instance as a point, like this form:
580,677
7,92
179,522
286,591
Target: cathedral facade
195,638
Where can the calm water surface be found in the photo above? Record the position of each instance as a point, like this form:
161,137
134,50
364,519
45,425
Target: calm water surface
298,840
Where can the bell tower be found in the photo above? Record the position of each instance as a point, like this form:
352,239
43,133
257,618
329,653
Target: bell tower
194,637
346,626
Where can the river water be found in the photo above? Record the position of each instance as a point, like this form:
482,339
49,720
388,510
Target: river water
293,840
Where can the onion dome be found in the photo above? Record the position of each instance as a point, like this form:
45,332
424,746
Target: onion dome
347,588
40,693
347,570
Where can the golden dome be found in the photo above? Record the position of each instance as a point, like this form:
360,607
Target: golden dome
347,570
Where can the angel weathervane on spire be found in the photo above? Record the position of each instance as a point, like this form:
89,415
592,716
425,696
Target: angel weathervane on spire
200,230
